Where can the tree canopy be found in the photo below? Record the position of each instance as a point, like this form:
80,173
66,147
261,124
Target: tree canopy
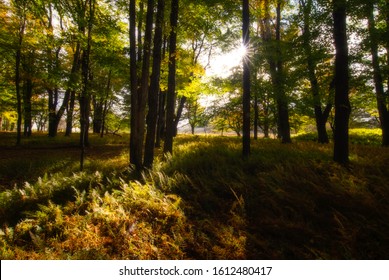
65,63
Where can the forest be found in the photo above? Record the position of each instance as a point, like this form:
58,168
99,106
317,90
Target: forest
180,129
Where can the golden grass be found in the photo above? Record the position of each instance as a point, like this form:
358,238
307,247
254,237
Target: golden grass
206,202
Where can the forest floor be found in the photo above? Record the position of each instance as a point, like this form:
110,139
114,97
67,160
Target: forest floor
204,202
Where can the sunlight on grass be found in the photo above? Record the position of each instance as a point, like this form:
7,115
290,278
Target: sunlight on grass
205,202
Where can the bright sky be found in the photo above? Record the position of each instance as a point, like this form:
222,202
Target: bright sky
222,64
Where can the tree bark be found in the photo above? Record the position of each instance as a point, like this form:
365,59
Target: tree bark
171,93
321,116
342,103
133,81
152,115
139,121
69,113
27,106
378,78
18,58
246,80
282,102
84,98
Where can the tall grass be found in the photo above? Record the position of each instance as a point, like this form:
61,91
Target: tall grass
207,202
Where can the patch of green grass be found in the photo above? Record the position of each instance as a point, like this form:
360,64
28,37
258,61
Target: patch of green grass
358,136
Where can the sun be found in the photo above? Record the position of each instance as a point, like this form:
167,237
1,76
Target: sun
222,64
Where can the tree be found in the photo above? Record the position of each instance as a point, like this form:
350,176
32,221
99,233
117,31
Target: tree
341,80
246,80
154,89
321,116
21,14
171,92
133,80
274,55
377,72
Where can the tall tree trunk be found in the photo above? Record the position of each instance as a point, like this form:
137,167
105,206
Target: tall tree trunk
282,103
266,121
105,105
140,29
161,118
177,118
152,115
320,116
27,106
133,81
171,94
139,121
98,107
18,58
53,122
378,79
70,94
69,113
246,80
256,116
84,98
342,103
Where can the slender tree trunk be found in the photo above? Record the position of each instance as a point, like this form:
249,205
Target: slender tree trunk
256,116
70,94
98,107
140,28
320,116
378,79
282,103
69,113
18,59
342,103
177,118
171,94
105,105
152,115
53,122
266,121
161,118
139,121
246,80
84,99
27,106
133,81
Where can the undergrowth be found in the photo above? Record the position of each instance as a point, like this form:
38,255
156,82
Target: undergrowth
206,202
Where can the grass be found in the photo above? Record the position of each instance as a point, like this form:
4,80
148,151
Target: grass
204,202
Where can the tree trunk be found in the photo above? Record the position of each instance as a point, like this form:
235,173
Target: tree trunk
378,79
246,80
138,128
69,113
152,115
342,103
70,94
133,81
105,105
177,118
84,98
320,116
282,103
256,116
171,93
27,94
18,59
98,107
161,118
53,121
